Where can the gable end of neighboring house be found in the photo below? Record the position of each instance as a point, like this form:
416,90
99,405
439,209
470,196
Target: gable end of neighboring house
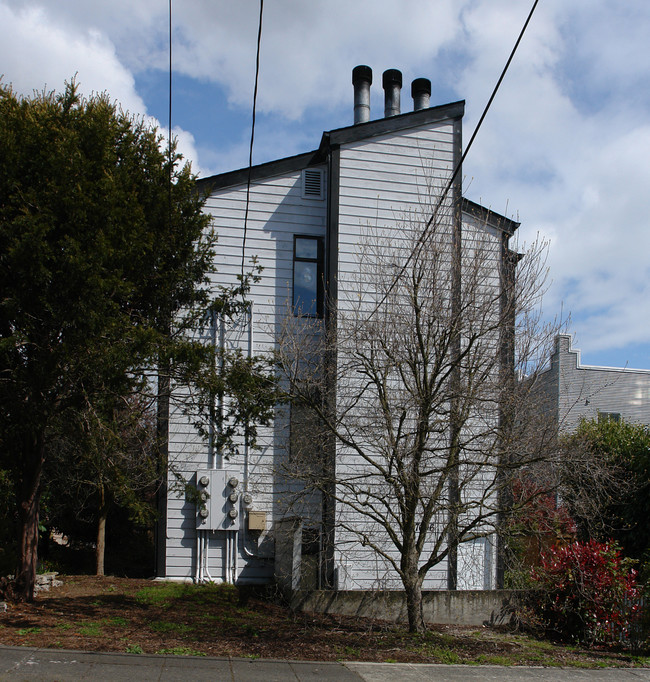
571,391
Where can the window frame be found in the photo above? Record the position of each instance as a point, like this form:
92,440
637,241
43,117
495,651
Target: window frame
320,274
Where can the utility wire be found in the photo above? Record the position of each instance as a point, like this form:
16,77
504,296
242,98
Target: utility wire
250,150
169,134
459,165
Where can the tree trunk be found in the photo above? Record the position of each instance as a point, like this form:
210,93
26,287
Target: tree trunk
412,586
101,531
30,493
413,590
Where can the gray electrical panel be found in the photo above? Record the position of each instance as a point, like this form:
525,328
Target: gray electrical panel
217,505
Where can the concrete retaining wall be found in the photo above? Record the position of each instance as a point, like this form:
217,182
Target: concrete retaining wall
470,607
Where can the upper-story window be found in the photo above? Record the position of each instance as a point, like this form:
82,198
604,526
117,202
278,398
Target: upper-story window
308,276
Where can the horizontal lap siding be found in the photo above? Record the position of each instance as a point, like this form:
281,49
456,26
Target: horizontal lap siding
277,211
385,185
582,391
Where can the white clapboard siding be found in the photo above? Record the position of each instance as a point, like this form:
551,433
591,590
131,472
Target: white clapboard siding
573,391
276,213
389,178
385,185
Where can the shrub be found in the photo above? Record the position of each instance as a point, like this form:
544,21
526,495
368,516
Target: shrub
538,522
586,591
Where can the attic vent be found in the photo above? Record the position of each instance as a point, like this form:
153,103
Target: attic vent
312,184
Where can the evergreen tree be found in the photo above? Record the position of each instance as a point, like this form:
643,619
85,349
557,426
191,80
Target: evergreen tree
105,255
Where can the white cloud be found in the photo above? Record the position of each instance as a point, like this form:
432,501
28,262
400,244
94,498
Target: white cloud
41,52
573,169
37,53
308,49
564,148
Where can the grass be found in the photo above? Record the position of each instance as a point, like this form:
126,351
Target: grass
118,621
349,653
29,631
90,629
166,626
165,594
493,660
441,655
180,651
138,616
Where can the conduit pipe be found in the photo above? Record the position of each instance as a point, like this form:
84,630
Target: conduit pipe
245,551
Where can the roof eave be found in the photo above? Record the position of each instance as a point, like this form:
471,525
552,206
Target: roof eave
490,217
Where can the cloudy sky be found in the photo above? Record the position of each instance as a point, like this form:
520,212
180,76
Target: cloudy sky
565,148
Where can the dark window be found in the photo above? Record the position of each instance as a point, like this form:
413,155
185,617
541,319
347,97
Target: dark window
308,276
609,417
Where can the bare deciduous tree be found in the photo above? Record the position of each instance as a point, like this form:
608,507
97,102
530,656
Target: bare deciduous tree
418,426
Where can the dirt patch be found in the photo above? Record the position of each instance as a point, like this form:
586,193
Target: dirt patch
142,616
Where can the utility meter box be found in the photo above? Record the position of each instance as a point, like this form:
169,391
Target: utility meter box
256,520
217,506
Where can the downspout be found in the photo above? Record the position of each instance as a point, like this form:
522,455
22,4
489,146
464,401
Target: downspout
331,301
245,551
211,430
509,261
455,378
218,459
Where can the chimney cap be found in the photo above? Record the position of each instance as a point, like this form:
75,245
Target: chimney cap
392,77
420,86
361,73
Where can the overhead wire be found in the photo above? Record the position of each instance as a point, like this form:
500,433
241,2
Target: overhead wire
169,133
250,149
434,215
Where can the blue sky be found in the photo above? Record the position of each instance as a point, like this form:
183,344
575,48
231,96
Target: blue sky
565,149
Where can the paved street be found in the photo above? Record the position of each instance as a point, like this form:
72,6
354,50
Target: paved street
50,665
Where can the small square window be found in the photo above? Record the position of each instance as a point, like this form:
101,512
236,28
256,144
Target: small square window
308,276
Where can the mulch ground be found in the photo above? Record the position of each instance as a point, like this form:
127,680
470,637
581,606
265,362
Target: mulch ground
142,616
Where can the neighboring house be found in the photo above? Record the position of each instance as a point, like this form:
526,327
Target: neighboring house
570,391
306,217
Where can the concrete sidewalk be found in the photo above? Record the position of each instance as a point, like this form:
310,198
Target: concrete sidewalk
26,663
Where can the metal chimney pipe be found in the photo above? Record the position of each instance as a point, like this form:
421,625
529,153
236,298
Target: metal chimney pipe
392,82
421,93
362,80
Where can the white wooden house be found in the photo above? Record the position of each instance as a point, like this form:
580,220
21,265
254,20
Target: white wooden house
569,391
306,217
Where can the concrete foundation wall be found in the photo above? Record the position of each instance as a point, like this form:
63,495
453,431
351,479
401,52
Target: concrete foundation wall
461,607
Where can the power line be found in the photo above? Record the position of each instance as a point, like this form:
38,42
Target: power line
250,150
169,134
459,165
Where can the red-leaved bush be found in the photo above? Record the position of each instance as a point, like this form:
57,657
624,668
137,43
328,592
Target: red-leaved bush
586,591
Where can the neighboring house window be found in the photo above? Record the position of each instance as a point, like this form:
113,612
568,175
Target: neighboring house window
308,276
609,417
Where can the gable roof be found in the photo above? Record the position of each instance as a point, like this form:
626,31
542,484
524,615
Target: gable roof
332,139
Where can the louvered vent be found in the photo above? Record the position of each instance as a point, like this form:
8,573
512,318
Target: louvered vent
312,184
